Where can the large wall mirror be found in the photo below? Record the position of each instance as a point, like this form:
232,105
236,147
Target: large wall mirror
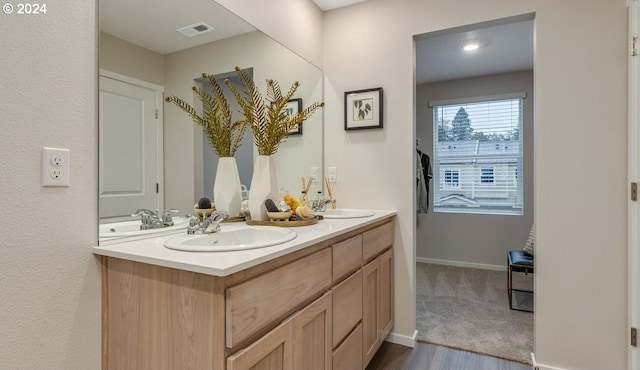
152,155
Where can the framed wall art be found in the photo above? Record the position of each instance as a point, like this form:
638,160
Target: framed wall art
363,109
294,106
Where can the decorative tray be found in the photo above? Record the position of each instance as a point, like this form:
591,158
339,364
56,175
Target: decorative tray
303,222
234,219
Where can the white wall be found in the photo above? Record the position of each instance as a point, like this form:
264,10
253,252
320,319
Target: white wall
50,280
473,238
580,205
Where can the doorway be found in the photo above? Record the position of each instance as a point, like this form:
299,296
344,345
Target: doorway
480,207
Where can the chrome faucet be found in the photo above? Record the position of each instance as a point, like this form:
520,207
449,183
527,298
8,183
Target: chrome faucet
209,225
151,220
320,205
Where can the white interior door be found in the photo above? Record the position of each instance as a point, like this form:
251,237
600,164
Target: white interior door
130,148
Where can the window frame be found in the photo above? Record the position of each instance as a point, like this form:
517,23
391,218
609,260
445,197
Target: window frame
458,198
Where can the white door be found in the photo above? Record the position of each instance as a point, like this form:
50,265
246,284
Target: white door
130,176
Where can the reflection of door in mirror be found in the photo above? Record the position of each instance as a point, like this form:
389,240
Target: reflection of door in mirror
130,146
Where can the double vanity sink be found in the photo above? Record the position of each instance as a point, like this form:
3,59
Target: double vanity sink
230,238
235,247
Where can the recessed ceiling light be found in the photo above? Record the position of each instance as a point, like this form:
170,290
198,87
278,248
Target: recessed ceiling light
470,47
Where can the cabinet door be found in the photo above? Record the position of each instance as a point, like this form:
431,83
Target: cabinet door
370,309
386,293
274,351
312,334
377,303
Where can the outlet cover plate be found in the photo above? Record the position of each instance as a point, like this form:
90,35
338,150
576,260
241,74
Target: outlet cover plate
55,166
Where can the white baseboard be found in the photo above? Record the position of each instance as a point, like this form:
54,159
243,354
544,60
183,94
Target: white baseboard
537,366
403,340
462,264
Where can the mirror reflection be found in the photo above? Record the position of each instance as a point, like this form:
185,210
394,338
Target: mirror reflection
153,158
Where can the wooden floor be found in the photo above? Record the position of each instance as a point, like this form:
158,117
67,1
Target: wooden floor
431,357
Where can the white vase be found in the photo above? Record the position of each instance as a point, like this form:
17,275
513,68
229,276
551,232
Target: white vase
264,185
227,192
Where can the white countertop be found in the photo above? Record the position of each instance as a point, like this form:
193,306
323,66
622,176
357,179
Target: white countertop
153,251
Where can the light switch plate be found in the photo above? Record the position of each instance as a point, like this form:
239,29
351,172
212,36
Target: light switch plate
55,166
332,174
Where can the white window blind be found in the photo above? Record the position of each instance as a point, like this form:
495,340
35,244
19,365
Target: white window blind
478,155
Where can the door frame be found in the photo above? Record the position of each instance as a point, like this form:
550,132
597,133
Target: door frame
634,176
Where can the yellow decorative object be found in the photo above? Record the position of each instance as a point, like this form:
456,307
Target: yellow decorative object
268,116
224,135
291,201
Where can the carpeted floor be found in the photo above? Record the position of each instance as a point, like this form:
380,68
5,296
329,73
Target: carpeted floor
468,308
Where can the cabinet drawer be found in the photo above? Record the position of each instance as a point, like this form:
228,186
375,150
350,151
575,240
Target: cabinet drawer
347,306
348,355
258,303
376,240
347,257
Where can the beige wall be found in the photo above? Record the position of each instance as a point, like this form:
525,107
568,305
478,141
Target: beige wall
125,58
471,238
50,280
580,206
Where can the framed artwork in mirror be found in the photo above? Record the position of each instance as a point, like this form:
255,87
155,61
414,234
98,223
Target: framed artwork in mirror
363,109
294,106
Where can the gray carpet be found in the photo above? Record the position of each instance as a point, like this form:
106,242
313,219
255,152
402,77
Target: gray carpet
468,309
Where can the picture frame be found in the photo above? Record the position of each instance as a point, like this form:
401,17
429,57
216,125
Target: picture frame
363,109
294,106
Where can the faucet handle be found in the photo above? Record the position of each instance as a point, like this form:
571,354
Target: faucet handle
166,214
140,212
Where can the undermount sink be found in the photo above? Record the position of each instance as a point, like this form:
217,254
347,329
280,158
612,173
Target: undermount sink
132,228
346,213
232,240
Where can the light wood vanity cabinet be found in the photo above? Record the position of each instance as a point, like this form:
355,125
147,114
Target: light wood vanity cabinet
327,306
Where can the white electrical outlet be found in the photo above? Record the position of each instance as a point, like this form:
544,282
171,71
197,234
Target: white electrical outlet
55,166
332,173
314,174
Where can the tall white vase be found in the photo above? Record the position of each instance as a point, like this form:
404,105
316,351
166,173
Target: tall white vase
264,185
227,192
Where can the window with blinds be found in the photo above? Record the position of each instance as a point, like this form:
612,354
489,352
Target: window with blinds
478,155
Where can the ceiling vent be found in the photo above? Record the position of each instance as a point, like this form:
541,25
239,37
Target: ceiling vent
195,29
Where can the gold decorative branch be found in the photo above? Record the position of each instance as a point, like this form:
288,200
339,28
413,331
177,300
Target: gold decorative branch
224,135
268,118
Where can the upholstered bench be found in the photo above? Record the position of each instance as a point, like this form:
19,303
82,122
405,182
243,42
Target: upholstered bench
519,261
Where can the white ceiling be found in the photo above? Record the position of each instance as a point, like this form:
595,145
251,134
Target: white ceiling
439,55
503,48
152,24
333,4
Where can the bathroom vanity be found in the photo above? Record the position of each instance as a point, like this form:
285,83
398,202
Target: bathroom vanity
323,300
